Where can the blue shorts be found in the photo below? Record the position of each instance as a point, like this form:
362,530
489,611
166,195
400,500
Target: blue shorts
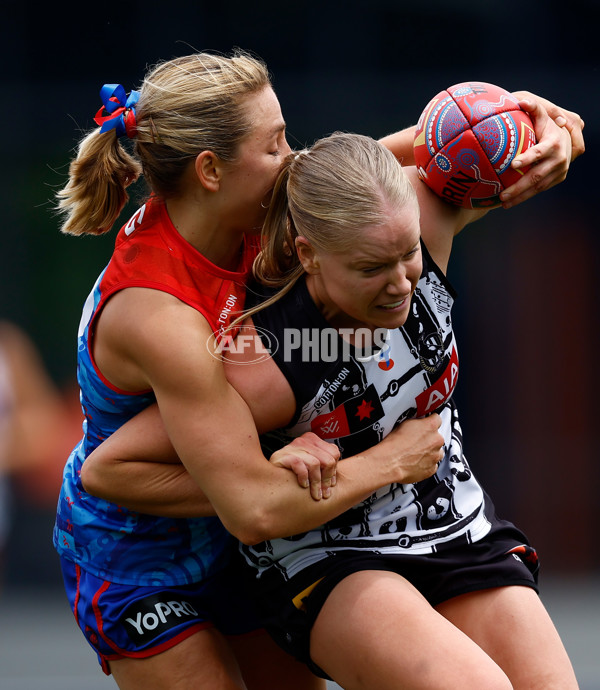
129,621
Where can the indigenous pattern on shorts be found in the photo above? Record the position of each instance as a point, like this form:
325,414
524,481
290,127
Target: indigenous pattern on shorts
354,402
109,541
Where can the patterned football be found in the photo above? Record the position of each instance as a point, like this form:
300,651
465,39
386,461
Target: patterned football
466,140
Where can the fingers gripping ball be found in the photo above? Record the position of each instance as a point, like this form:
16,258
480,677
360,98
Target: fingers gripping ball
466,140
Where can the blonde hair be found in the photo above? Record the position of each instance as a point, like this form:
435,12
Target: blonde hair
186,105
345,183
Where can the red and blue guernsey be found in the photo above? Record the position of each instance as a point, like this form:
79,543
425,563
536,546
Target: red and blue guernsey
105,539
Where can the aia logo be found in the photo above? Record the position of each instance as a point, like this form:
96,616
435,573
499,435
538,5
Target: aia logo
430,399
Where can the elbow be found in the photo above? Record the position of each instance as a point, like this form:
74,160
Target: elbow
92,481
250,538
255,527
245,533
86,476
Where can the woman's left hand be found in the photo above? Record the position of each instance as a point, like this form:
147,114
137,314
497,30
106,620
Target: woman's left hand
313,461
559,133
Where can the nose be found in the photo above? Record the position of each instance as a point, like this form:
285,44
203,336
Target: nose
399,283
286,149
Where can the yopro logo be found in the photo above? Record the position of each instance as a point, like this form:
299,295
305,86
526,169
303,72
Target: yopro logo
148,618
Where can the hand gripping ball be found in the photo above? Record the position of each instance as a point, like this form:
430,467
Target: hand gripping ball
466,140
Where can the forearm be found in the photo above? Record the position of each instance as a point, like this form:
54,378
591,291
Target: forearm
274,506
137,467
256,500
401,145
278,507
155,488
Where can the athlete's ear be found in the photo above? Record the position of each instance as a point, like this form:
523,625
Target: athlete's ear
307,255
209,170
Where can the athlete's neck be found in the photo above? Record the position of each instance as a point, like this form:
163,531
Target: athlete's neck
220,246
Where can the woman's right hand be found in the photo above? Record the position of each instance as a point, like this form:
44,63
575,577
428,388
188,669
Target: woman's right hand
414,449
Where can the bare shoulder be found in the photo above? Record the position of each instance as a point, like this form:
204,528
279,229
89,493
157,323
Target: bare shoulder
144,333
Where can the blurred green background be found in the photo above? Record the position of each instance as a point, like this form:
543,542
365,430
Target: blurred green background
527,314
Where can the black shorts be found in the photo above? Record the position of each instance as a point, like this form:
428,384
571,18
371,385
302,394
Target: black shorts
502,558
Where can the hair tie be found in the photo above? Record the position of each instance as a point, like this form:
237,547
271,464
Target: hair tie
299,154
117,111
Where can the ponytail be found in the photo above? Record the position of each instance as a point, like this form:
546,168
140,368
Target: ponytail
98,177
277,265
278,261
185,105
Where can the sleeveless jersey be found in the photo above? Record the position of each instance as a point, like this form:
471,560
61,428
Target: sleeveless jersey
107,540
354,400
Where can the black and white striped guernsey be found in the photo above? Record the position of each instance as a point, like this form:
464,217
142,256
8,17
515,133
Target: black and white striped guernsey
356,400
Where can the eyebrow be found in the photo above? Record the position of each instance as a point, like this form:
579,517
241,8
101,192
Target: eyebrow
376,257
279,128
